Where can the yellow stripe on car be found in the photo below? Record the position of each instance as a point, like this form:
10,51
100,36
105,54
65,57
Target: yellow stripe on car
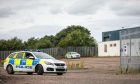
23,56
29,62
17,62
7,60
41,62
15,55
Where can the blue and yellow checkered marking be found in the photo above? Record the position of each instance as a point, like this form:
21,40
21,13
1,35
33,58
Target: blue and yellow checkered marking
11,61
28,62
36,61
22,62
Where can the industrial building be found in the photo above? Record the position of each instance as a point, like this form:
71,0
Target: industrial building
110,45
111,35
109,48
130,49
124,43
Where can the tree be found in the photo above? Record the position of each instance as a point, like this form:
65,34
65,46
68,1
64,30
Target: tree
51,38
11,44
45,42
14,44
31,43
75,36
3,45
62,34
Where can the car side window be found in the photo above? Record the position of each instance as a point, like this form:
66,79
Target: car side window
12,55
27,55
19,55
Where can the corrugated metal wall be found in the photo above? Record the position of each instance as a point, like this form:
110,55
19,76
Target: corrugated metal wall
60,52
130,49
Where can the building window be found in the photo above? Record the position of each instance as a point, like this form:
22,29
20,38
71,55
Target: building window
110,45
115,45
105,48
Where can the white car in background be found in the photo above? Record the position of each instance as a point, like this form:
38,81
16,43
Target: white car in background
71,55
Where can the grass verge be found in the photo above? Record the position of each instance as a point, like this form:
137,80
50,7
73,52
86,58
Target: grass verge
1,63
75,64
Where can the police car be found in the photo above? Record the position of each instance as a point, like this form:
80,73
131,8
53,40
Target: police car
33,62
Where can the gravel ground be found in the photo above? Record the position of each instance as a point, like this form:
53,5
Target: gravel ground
98,71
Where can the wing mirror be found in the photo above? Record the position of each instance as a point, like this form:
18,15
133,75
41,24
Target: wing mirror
31,57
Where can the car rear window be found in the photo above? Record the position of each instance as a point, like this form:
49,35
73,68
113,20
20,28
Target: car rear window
12,55
19,55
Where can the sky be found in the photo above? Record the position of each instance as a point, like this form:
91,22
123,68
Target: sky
37,18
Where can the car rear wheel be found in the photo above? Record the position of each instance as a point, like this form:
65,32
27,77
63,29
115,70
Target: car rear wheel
29,73
59,73
9,69
39,70
71,56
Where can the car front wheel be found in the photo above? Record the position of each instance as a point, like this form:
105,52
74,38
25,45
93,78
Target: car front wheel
39,70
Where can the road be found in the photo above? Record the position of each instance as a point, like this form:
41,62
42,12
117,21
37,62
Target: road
97,71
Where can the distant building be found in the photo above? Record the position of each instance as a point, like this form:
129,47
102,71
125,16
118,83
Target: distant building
124,43
130,49
110,45
111,35
109,48
123,36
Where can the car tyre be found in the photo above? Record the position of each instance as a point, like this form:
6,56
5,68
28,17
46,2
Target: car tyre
9,69
59,73
71,57
39,70
29,73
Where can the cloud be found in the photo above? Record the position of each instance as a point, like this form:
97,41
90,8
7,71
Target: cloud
6,12
126,7
74,7
85,6
37,31
12,7
27,18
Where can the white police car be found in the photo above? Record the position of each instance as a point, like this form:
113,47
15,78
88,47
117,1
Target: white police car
33,62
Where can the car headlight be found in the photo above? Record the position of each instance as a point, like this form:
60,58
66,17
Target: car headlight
49,63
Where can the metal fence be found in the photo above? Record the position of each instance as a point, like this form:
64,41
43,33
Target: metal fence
60,52
130,49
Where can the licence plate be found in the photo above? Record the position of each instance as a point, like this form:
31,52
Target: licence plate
60,67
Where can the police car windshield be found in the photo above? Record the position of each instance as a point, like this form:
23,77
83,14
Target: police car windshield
42,55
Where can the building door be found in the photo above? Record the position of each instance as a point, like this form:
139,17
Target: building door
105,48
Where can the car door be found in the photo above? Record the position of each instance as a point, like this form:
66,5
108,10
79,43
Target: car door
29,62
11,59
23,63
18,61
